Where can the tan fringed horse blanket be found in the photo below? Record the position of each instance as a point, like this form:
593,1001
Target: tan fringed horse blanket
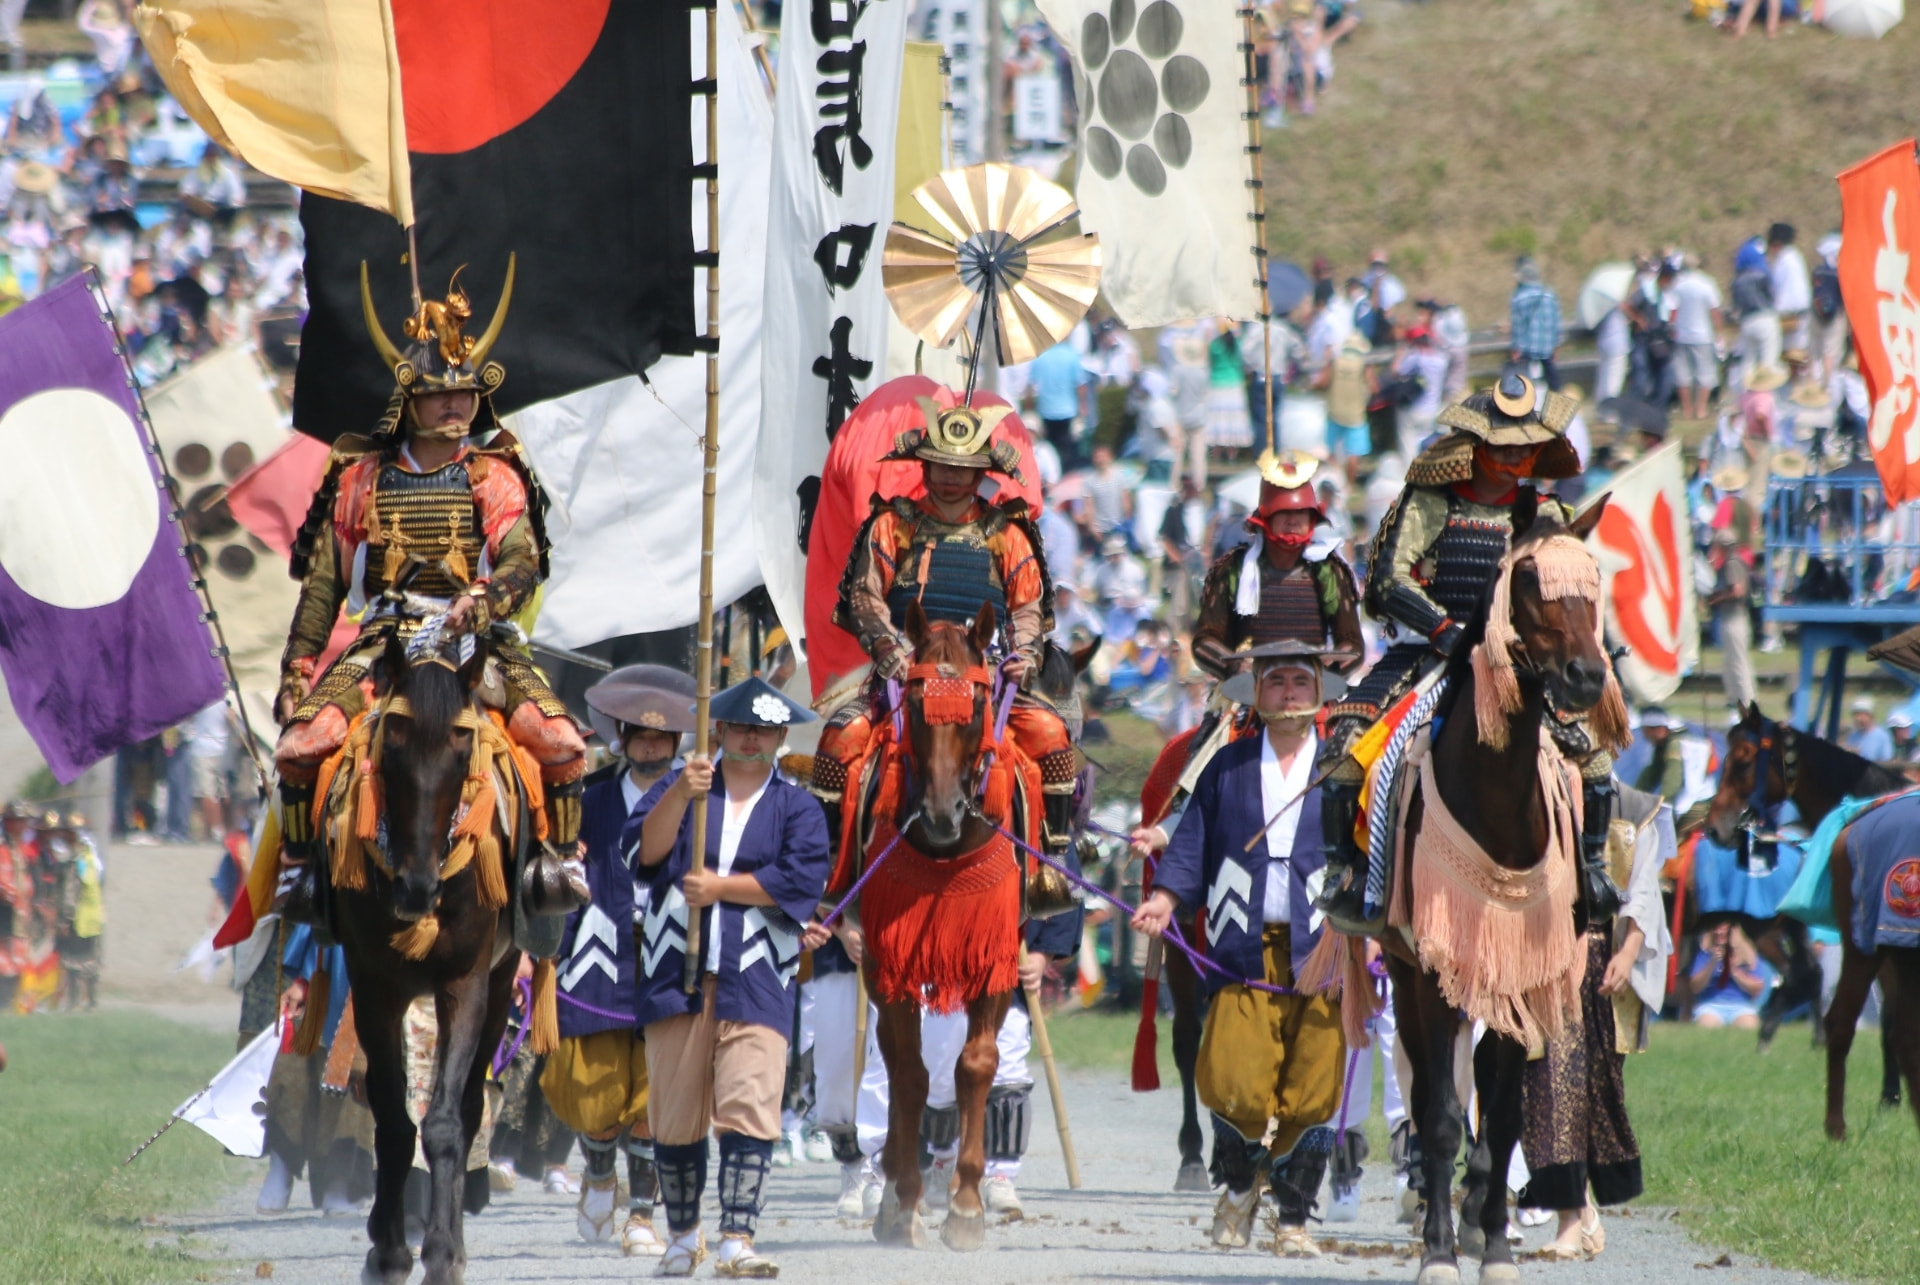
1501,942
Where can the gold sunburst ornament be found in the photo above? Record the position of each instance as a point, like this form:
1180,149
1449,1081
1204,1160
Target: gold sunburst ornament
1003,249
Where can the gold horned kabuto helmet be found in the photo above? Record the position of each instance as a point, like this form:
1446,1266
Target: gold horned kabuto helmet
961,436
439,357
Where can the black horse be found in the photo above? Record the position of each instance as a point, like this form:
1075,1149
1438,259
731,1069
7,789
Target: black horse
408,931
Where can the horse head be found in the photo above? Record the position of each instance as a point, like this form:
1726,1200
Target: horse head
1542,629
1057,682
1755,746
947,695
423,743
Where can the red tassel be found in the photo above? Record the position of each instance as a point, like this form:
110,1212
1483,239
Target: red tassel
944,932
1146,1040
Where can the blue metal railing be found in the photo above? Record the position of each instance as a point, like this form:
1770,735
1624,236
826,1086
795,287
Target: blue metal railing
1837,521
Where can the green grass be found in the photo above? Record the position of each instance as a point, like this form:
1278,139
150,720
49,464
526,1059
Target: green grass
1734,1141
80,1092
1730,1138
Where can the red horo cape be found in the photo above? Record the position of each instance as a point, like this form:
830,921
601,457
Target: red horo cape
853,475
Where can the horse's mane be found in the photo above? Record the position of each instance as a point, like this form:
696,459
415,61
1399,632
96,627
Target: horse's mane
1853,776
436,696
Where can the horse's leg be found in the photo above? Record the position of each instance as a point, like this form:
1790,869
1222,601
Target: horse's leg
1499,1065
1183,986
966,1224
377,1015
898,1222
1849,998
1900,1015
1440,1130
473,1102
461,1016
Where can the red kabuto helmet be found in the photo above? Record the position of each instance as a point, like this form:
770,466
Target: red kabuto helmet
1286,485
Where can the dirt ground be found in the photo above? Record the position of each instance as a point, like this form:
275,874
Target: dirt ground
159,905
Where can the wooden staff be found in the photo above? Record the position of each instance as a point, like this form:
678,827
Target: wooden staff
1044,1046
859,1035
703,667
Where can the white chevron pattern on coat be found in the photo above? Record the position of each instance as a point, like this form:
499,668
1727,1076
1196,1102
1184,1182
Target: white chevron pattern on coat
1228,899
663,929
594,944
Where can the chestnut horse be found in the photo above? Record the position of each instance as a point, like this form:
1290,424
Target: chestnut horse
934,820
1498,798
1768,763
422,740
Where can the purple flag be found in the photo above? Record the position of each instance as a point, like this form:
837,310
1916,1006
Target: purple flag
101,639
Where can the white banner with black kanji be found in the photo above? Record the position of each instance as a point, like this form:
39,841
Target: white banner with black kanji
1164,176
831,201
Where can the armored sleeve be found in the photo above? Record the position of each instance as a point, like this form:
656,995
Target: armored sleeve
870,576
322,590
1020,572
516,570
1344,620
1213,642
1407,535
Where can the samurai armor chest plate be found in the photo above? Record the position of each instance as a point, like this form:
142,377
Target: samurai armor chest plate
950,570
1463,560
1289,609
426,519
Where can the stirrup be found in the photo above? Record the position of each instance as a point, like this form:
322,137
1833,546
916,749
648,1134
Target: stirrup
554,885
1344,905
299,893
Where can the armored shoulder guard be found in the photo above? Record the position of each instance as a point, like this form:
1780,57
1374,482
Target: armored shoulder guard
503,447
850,574
347,451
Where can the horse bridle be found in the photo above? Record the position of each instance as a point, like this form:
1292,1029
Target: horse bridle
469,718
950,694
1758,810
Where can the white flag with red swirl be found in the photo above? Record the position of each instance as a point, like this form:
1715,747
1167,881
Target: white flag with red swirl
1646,569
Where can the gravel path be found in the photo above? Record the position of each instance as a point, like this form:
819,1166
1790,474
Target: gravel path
1127,1224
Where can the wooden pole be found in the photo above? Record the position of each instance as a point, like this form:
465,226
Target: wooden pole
703,663
1258,216
859,1034
1044,1046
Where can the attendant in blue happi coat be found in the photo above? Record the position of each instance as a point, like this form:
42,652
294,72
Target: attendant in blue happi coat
1263,1056
596,1081
717,1060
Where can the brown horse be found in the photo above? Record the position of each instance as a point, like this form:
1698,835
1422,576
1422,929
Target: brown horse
1899,972
1497,796
1816,775
422,739
941,823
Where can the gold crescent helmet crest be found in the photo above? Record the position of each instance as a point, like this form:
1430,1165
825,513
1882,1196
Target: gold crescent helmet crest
441,358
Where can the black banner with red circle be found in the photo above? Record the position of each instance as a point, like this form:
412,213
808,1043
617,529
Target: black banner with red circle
558,132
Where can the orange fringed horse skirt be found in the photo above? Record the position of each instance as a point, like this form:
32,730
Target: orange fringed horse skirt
943,933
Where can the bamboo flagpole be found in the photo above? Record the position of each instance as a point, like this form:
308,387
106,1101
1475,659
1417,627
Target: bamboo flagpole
710,442
1258,217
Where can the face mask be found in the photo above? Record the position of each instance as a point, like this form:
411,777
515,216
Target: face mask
650,767
1484,461
1291,539
1286,717
765,756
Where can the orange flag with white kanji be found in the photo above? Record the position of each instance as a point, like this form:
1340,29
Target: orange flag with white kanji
1880,283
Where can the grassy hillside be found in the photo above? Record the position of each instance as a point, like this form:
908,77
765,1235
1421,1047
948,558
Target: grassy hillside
1460,132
